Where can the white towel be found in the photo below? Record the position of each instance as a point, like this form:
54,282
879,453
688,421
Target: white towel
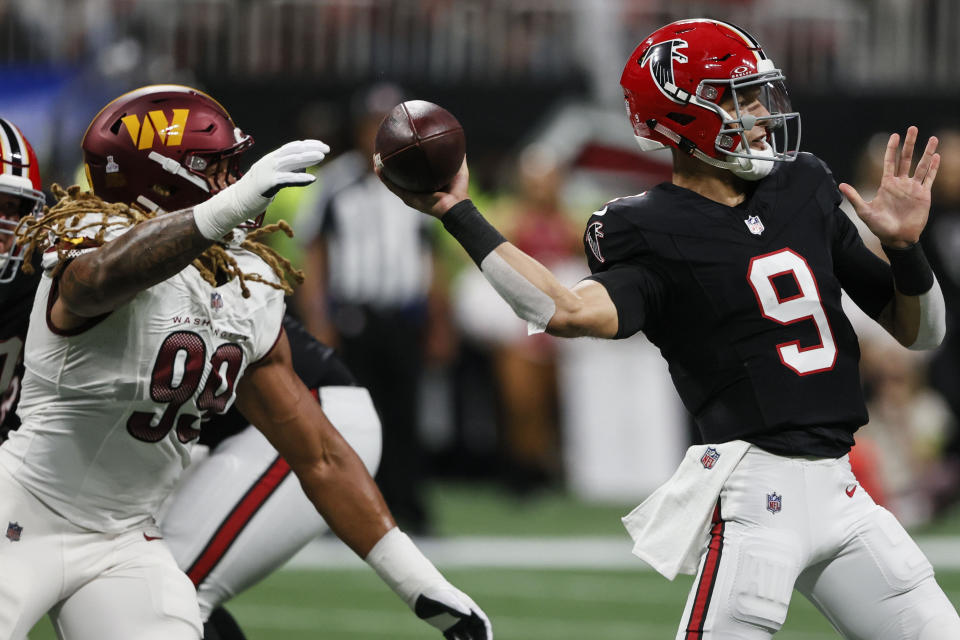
670,529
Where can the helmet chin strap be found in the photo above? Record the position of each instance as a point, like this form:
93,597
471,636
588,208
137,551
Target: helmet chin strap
744,168
756,168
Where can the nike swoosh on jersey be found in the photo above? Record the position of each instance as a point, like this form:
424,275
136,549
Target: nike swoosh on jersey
851,490
151,538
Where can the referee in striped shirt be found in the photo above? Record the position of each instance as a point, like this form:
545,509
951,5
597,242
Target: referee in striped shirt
369,270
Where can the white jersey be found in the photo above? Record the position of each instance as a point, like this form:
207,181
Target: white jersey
111,412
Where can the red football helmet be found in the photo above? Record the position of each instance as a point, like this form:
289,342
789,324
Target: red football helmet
675,82
20,194
163,147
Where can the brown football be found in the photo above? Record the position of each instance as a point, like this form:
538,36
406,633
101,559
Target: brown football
419,146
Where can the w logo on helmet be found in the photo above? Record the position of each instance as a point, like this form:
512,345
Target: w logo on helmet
661,57
155,124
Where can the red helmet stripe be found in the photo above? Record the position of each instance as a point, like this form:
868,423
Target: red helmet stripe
4,153
16,147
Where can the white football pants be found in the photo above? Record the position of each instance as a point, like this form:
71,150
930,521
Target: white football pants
785,523
239,514
96,586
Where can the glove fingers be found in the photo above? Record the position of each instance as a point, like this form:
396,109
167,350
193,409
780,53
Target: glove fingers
294,178
300,146
299,160
472,628
288,180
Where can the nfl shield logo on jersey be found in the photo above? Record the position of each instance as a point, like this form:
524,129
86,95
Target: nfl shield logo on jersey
709,458
754,225
216,301
774,502
13,531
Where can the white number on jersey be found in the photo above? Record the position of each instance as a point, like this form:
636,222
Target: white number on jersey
805,305
10,350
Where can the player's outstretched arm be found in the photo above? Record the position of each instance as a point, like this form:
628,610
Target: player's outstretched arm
100,281
529,288
897,215
272,397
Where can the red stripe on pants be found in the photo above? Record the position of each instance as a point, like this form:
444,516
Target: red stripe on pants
708,577
229,530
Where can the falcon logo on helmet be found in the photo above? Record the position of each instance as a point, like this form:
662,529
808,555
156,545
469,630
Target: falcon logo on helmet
684,87
661,57
20,191
163,147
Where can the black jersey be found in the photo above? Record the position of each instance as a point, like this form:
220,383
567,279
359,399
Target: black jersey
744,304
16,301
315,364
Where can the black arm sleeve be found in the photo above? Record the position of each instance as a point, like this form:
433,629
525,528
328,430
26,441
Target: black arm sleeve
864,276
637,293
314,362
620,259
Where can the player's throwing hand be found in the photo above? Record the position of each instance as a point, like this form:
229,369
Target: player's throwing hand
898,213
437,203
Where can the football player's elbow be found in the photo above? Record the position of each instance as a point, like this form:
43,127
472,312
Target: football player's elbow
581,321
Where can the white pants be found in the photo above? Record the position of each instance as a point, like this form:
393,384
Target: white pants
239,514
785,523
96,586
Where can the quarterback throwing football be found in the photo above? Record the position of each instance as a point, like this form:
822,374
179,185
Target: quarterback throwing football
734,270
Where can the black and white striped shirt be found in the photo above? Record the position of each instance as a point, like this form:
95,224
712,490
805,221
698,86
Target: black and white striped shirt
379,251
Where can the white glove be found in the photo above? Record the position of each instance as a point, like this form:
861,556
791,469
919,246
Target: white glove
408,572
250,195
453,612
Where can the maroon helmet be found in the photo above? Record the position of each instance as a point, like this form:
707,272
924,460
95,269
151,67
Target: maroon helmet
20,187
155,147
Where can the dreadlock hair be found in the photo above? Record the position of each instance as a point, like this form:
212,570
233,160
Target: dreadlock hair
76,211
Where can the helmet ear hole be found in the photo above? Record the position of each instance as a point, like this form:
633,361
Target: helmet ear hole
681,118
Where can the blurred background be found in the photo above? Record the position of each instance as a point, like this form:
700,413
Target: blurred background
515,456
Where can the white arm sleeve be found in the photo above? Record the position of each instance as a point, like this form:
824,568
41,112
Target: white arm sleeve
933,319
528,302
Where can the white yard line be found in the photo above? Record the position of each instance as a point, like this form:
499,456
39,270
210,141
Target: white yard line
608,553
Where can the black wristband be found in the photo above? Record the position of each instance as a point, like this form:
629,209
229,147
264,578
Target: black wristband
912,274
466,224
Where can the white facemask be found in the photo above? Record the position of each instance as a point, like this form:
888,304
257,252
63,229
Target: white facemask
756,167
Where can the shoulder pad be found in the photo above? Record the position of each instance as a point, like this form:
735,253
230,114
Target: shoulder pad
809,174
611,235
813,163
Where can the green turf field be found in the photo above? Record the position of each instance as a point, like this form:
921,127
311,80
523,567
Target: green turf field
529,604
524,605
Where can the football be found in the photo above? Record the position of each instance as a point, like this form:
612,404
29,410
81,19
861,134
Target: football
419,146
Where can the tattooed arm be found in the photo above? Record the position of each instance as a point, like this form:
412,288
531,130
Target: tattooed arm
100,281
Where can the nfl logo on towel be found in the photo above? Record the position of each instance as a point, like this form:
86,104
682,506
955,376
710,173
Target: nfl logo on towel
709,458
216,301
13,531
754,225
774,502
